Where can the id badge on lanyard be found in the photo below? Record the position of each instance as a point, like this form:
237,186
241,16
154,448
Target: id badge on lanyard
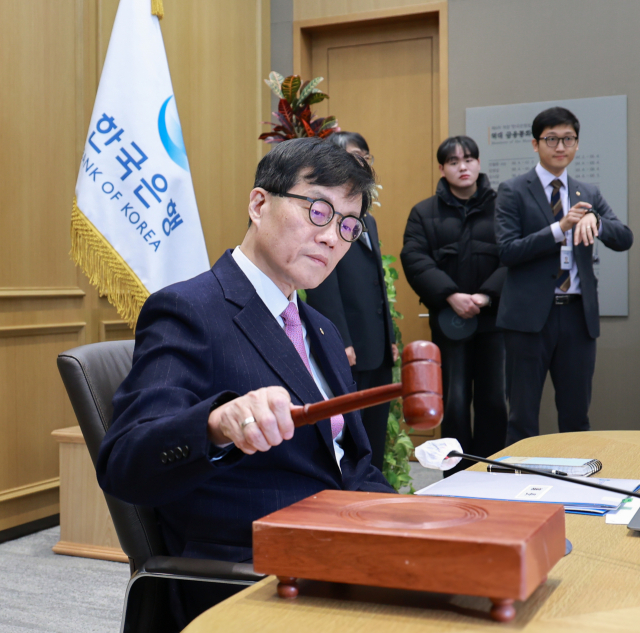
566,253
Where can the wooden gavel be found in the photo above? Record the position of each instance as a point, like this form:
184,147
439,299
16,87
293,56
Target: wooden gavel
420,390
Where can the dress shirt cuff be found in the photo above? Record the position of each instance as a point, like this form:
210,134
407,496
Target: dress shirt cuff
217,453
558,234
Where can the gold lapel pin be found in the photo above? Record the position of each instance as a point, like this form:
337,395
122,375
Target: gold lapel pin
577,193
322,331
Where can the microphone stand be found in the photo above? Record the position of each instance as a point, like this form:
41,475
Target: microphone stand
533,471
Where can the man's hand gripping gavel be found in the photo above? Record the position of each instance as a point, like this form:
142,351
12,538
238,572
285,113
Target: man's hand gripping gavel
265,417
420,390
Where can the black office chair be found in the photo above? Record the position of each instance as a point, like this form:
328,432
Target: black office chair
91,375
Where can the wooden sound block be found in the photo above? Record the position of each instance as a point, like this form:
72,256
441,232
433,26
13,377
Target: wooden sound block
502,550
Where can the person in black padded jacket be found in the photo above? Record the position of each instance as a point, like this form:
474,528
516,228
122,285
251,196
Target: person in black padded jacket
450,258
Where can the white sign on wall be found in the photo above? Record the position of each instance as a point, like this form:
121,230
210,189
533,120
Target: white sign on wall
503,135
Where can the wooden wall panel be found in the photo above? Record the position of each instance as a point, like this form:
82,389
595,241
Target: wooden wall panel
25,509
51,55
38,160
115,330
33,404
221,49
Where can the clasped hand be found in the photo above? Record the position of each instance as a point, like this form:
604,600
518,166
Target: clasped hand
270,410
466,305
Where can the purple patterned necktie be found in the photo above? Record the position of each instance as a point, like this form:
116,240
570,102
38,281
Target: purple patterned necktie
293,329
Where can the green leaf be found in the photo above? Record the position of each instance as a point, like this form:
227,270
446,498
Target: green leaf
290,87
398,445
275,87
317,97
276,77
309,87
330,121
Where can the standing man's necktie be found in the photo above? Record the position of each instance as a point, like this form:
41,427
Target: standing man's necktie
293,329
563,280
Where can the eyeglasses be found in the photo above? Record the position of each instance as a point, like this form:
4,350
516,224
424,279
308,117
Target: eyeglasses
552,141
367,157
321,212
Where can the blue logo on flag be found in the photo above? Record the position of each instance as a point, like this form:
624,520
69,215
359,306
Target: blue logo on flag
171,133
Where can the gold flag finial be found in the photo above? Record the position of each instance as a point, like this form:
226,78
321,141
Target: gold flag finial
157,8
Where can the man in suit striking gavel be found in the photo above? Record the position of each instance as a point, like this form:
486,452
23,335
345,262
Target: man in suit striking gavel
202,427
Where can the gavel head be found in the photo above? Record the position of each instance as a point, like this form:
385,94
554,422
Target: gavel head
422,385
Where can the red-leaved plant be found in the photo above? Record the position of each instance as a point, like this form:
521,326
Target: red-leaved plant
294,116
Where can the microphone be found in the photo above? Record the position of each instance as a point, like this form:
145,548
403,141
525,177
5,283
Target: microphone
446,453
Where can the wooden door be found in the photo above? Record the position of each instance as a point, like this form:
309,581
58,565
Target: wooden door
383,81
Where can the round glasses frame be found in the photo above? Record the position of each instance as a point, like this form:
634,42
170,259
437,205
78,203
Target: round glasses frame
367,157
342,217
552,141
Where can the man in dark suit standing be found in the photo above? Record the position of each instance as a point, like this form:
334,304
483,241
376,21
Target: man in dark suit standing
354,298
202,429
546,224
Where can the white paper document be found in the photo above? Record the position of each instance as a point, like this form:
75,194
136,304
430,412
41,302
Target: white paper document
533,493
533,488
624,513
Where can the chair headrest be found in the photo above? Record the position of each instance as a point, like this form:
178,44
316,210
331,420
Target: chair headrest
91,375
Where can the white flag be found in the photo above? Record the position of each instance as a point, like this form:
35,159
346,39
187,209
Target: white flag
135,226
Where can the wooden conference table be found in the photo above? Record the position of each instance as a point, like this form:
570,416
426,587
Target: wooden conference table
595,588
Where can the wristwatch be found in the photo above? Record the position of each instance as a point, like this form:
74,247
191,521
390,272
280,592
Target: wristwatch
592,210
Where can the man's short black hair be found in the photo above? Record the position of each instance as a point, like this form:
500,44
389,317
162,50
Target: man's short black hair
551,118
449,147
343,139
324,164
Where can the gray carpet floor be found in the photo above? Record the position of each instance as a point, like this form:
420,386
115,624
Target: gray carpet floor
47,593
43,592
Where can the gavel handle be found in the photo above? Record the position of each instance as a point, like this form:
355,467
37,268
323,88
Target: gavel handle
312,413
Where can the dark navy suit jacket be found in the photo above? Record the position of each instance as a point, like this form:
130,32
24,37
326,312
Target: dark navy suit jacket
528,248
200,343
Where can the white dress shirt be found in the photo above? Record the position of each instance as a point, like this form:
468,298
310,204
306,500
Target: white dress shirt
546,178
277,302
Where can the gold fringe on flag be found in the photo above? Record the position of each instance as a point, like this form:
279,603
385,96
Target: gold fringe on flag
106,269
157,8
